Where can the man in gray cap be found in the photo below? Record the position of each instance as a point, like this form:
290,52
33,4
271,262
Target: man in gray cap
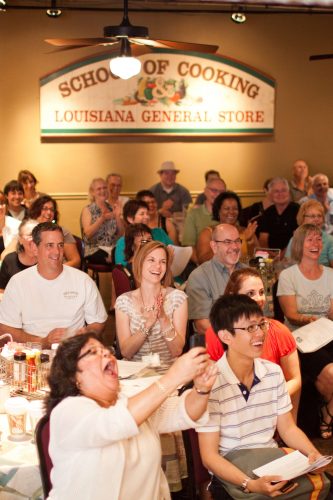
170,196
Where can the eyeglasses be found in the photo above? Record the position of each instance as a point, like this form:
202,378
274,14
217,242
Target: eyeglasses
143,242
101,351
263,325
215,191
237,241
313,216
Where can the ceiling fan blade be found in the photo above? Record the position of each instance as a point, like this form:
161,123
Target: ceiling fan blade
318,57
80,42
170,44
138,49
114,46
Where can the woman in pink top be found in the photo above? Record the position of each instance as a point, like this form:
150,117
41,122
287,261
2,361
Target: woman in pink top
279,346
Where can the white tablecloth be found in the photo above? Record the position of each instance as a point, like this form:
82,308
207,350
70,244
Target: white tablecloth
19,470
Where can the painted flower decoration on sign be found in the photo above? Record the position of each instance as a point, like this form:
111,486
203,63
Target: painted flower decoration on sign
151,91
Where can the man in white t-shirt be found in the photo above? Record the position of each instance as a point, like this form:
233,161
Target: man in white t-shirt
50,301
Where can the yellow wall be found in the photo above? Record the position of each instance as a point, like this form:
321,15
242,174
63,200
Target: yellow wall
278,45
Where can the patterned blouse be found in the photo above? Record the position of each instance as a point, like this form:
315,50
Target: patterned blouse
105,236
155,343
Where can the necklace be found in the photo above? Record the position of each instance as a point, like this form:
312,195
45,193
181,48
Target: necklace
145,308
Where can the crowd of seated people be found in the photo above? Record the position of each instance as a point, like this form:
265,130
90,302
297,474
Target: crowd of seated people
154,318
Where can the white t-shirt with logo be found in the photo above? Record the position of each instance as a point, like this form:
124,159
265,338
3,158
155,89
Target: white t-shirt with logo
313,297
38,305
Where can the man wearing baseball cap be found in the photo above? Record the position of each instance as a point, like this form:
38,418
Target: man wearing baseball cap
170,196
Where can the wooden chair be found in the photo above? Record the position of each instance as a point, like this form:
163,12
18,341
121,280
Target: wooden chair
42,436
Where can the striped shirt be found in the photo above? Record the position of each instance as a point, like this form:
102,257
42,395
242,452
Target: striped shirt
247,423
155,342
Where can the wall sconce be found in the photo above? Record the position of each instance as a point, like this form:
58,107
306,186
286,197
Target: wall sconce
53,11
125,66
3,5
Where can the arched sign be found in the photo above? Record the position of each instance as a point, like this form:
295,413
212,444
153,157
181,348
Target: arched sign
176,93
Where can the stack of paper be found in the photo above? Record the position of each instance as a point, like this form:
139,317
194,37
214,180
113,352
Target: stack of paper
292,465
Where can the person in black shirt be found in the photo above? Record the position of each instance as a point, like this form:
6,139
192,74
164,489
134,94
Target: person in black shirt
24,256
278,222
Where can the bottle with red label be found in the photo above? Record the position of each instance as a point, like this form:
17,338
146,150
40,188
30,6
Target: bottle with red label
32,372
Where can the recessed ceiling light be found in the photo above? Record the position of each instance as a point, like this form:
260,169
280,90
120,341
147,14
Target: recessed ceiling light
238,17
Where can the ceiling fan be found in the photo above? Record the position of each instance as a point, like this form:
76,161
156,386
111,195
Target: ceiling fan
122,37
318,57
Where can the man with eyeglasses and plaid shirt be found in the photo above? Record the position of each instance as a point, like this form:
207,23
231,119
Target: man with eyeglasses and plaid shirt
208,281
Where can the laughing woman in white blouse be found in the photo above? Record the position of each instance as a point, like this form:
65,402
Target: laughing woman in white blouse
305,293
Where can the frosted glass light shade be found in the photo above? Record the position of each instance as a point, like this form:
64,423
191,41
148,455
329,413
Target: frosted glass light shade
125,67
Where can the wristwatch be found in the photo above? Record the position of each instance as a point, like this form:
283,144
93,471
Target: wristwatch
244,484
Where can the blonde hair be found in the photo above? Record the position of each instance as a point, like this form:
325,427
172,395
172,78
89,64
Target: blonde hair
140,256
298,240
308,205
29,224
91,187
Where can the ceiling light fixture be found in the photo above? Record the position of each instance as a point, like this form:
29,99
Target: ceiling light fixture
125,66
53,11
238,16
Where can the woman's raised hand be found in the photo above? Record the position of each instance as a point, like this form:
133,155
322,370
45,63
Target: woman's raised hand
205,381
250,230
190,365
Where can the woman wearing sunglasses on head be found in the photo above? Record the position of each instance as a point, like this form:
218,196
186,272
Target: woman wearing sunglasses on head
279,346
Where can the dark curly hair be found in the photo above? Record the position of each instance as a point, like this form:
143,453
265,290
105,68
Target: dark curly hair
62,381
227,195
130,233
37,206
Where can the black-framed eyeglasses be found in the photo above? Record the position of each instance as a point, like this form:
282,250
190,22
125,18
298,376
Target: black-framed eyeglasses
263,325
237,241
93,351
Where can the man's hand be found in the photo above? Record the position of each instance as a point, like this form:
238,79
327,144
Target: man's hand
55,336
165,208
271,486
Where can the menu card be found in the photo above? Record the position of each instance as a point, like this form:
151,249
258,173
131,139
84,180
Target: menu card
313,336
292,465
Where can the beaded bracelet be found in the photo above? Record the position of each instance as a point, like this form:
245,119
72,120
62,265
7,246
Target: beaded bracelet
171,327
144,330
